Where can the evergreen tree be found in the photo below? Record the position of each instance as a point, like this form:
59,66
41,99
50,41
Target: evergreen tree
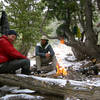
25,17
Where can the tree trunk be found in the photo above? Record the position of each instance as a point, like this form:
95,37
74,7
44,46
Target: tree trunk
90,34
24,48
78,54
91,38
88,48
81,51
50,87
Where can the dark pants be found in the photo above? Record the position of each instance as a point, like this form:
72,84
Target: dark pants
12,66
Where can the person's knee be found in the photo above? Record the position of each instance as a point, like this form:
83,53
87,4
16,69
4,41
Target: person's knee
26,66
26,61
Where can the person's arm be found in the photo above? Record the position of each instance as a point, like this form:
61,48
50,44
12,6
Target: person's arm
51,50
10,51
38,53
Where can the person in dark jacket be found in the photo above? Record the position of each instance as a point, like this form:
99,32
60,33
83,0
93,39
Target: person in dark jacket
44,54
10,59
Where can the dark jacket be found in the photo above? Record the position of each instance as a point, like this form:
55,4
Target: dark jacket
7,51
41,51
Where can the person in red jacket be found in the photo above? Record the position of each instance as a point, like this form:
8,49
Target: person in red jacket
10,59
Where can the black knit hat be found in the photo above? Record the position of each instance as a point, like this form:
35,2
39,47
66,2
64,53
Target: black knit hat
12,32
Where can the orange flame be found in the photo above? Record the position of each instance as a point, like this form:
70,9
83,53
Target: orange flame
61,71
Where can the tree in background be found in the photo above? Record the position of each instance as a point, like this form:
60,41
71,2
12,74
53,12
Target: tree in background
25,17
76,12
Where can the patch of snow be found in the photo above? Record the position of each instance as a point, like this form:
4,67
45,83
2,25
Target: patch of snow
72,98
33,62
23,91
61,52
52,72
61,82
78,83
23,96
85,83
8,88
22,75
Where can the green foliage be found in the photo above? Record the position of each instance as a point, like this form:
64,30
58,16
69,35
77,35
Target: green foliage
61,30
58,8
25,17
1,5
76,8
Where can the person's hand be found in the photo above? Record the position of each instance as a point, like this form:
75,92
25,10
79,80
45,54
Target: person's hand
47,55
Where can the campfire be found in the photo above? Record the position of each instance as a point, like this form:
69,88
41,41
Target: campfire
60,71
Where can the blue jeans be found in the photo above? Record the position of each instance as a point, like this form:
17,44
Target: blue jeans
12,66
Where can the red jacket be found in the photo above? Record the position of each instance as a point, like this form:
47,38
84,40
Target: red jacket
7,51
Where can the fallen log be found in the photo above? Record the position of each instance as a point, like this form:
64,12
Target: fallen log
50,87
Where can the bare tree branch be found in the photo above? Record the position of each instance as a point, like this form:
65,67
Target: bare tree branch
41,27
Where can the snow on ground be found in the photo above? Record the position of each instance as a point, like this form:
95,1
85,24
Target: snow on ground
23,91
21,96
62,51
8,88
18,94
